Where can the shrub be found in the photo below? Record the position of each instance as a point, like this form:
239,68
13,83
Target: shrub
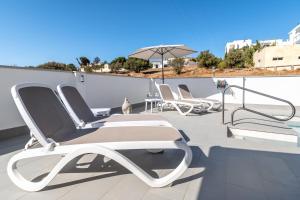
235,59
177,65
136,64
117,64
207,59
58,66
222,65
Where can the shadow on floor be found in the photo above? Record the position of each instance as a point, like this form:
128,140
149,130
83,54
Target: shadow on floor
249,174
149,162
13,144
224,173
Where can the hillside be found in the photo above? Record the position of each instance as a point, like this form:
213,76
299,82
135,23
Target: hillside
203,72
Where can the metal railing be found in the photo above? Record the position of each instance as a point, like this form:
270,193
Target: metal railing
254,111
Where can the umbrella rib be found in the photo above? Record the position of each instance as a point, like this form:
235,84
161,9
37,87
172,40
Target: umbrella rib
169,50
140,52
172,54
154,52
161,51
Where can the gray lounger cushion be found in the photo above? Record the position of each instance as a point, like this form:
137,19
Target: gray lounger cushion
126,134
84,113
47,112
54,122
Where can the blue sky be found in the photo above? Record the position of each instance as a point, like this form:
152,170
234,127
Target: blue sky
36,31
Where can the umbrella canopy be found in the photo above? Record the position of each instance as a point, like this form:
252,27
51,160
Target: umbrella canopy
162,52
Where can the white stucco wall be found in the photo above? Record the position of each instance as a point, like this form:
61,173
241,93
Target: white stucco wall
98,90
110,91
282,87
9,115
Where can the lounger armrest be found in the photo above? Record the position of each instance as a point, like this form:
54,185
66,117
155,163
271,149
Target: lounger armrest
95,124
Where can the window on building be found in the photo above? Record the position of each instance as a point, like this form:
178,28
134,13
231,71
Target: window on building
277,58
299,57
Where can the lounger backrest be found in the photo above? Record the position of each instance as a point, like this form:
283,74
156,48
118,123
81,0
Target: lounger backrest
184,91
49,117
76,105
166,92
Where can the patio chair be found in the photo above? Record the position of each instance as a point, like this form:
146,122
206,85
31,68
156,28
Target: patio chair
185,94
168,99
85,119
54,133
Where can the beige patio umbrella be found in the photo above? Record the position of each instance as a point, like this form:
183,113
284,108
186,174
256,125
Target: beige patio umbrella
162,52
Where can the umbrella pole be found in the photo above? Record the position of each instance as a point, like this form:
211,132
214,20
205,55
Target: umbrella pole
162,68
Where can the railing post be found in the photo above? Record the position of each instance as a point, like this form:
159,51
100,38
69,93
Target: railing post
223,106
244,82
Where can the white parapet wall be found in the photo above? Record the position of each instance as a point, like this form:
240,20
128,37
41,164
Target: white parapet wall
97,90
281,87
9,115
110,91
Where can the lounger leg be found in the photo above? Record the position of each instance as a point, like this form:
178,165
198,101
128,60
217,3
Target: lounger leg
24,184
183,113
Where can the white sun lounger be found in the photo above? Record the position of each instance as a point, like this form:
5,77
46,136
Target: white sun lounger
54,133
168,99
185,94
85,119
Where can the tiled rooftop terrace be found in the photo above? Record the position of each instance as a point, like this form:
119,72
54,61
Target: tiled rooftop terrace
222,168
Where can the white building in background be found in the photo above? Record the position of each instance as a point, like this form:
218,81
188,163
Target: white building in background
294,38
104,69
237,44
279,57
157,64
294,35
188,61
276,42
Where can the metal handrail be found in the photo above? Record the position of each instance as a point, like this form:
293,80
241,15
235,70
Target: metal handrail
254,111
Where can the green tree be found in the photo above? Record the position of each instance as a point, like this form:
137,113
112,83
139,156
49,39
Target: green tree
117,64
177,65
222,65
85,63
248,53
96,64
194,59
207,59
57,66
257,47
96,61
136,64
71,67
235,58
